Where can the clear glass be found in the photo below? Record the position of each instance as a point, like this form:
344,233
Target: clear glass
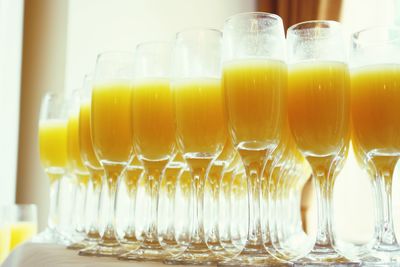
153,111
112,134
200,124
53,157
254,85
21,221
79,172
319,118
94,168
375,76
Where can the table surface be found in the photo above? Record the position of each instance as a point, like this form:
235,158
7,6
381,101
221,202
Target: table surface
50,255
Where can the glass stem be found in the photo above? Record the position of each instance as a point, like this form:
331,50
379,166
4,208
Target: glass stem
215,178
94,207
112,173
153,187
323,183
385,234
253,162
80,205
54,201
130,231
171,189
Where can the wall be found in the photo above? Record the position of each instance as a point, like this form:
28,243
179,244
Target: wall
43,69
99,25
11,21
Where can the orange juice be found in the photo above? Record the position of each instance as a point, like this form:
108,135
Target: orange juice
85,138
74,151
376,108
201,124
254,95
5,237
319,107
111,122
53,143
21,232
153,119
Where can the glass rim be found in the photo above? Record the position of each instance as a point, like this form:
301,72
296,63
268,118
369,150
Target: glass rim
276,17
114,53
355,36
155,43
197,30
293,29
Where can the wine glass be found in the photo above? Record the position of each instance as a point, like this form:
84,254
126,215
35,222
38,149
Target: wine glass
375,103
254,85
319,116
77,169
112,134
53,157
94,168
201,127
154,133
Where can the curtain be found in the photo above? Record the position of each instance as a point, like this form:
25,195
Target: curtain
295,11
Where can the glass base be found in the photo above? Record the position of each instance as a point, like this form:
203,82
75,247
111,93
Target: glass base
255,256
104,249
219,250
195,254
77,245
172,246
148,251
51,236
380,256
89,251
325,257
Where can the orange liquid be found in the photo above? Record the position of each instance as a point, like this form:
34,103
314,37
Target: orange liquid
85,138
319,107
111,123
153,119
254,94
53,143
201,124
376,109
74,151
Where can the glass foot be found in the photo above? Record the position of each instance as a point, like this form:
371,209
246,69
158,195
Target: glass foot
51,236
77,246
255,256
374,257
148,251
195,254
325,257
89,251
219,250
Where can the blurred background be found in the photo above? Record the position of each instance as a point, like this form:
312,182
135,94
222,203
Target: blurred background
50,45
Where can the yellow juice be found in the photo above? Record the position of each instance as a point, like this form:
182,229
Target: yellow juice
111,122
85,137
376,108
319,107
21,232
254,96
74,150
153,119
5,237
201,124
53,143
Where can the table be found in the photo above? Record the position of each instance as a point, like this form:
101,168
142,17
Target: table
50,255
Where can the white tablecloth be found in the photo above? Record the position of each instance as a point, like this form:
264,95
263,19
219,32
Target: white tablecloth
48,255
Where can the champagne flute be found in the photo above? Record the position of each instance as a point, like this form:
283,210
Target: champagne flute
78,169
53,157
154,133
375,77
94,167
254,84
112,134
319,116
200,121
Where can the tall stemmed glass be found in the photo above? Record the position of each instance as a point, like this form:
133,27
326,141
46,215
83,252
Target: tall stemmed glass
94,167
53,156
375,77
201,127
111,128
319,118
78,169
154,133
254,85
